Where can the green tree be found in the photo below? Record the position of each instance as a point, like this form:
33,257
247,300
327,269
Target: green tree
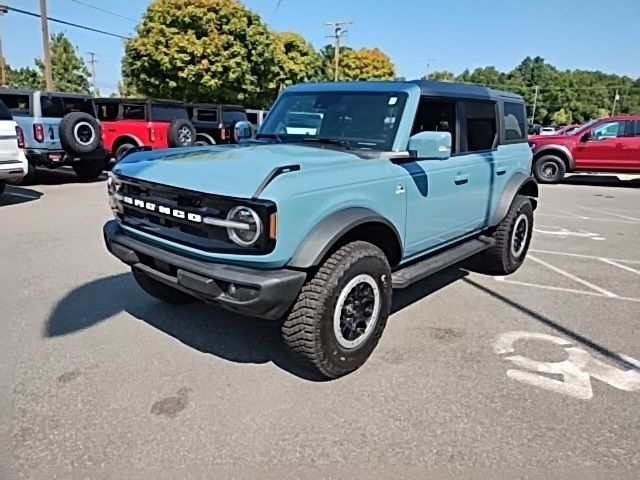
296,60
69,72
562,117
25,77
362,64
441,76
203,50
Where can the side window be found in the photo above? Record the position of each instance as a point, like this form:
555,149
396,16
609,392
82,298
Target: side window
436,116
107,111
637,128
608,130
18,105
52,107
5,114
204,115
133,112
514,122
72,104
481,125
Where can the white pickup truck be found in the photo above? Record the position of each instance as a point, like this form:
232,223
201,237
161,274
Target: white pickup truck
13,163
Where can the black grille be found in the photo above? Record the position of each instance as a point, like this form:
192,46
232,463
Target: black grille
194,234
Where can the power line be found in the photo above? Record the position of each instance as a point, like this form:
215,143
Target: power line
106,11
33,14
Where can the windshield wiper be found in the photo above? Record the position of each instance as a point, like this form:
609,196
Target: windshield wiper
330,141
274,136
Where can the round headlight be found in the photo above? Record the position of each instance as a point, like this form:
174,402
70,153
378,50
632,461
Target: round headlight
249,226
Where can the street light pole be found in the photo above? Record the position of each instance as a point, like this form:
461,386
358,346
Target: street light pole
44,21
429,60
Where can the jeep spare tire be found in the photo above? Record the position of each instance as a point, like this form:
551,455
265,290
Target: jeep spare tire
181,133
79,133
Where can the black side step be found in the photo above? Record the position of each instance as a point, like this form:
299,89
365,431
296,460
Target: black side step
406,276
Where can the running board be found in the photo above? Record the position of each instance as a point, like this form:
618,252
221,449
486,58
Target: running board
406,276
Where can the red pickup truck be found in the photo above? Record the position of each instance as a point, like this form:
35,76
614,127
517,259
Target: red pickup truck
610,144
130,122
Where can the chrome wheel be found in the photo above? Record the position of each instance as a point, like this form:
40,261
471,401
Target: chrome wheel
184,136
357,311
519,236
549,170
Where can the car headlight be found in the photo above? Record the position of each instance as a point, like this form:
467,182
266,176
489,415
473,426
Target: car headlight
244,226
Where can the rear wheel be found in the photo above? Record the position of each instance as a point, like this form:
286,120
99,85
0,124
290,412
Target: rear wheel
122,150
549,169
341,312
160,290
88,169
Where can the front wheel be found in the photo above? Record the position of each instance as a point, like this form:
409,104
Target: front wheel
512,237
341,311
549,169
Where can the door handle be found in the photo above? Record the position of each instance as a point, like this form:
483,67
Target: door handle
620,145
461,179
501,170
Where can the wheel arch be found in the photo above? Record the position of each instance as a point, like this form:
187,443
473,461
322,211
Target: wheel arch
518,184
559,150
205,136
345,226
127,138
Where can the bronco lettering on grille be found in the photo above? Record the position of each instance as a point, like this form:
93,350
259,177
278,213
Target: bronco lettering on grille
172,212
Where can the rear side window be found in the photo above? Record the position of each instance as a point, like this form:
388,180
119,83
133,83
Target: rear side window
107,111
637,128
58,107
481,126
18,105
5,114
162,113
514,121
230,116
206,115
133,112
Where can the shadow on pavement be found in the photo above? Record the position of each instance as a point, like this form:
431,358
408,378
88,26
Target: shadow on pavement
619,359
61,176
14,195
601,181
419,290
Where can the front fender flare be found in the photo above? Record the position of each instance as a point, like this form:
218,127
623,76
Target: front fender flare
561,148
326,233
516,183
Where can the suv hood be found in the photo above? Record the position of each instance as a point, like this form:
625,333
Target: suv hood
231,171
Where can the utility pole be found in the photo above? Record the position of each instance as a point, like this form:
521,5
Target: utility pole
535,102
339,32
93,62
3,68
615,100
429,60
44,21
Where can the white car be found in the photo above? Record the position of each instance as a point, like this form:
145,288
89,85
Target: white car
13,163
547,131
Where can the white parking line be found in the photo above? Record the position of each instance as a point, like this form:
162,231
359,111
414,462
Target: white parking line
587,218
562,289
572,214
625,267
612,214
579,255
573,277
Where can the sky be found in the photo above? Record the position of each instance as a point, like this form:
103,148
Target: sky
448,35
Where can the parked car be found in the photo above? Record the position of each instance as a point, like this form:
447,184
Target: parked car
567,129
256,117
13,163
400,180
131,122
534,129
610,144
547,130
59,129
215,124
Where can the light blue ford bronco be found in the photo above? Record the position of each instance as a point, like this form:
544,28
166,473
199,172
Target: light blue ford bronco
348,191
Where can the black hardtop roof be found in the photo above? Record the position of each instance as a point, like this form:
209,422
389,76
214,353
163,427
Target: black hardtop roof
454,89
140,101
215,105
26,91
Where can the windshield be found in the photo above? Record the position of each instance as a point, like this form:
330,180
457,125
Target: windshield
365,120
582,128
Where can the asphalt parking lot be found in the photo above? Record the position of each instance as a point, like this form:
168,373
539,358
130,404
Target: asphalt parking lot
475,376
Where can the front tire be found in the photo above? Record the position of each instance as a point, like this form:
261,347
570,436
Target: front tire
512,236
549,169
341,311
160,290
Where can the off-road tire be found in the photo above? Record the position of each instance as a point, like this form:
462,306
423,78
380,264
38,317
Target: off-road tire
549,169
79,133
160,290
308,331
122,150
500,259
181,133
3,185
89,169
201,143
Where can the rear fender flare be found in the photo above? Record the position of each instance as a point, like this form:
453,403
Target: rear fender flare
518,183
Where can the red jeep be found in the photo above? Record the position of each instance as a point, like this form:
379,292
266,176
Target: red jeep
609,144
130,122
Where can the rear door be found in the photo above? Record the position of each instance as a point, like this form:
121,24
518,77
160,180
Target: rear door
631,146
606,149
8,138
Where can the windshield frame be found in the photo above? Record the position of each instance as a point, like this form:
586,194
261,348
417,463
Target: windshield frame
355,143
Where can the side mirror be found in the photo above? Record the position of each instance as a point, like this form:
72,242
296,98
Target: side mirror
585,137
434,145
242,131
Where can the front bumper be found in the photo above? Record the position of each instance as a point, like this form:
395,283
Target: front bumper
55,158
259,293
